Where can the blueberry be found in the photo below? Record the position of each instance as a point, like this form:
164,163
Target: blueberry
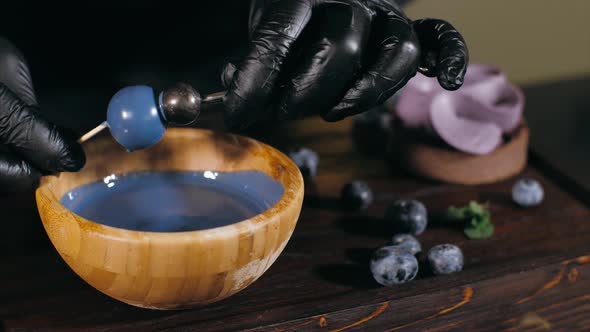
375,118
527,192
371,130
445,259
392,265
307,160
407,242
356,195
407,216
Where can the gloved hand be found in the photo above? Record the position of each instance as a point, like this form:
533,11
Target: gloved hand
336,58
29,145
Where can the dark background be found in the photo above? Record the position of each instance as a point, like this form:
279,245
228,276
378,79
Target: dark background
79,57
69,46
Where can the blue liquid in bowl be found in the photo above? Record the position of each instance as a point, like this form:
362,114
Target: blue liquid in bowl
174,201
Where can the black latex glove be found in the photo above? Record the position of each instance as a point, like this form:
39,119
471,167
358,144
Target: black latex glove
29,145
336,58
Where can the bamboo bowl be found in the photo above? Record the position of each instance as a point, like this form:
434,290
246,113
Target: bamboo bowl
160,270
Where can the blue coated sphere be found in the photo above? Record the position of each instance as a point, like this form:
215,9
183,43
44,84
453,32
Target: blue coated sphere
134,118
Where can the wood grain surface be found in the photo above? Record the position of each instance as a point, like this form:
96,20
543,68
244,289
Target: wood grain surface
532,275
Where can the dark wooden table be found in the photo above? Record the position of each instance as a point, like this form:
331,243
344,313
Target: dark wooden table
532,275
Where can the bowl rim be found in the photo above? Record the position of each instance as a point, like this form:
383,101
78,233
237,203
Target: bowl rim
292,185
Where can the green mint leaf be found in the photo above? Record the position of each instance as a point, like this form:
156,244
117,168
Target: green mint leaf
474,216
475,208
454,214
473,233
482,230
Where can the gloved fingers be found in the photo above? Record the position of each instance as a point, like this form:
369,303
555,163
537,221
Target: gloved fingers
15,74
16,174
257,8
444,52
254,79
34,139
330,59
227,74
395,63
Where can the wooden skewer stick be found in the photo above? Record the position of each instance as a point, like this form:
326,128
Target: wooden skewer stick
210,98
93,132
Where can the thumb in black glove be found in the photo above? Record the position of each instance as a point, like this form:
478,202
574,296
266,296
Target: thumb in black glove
335,58
29,145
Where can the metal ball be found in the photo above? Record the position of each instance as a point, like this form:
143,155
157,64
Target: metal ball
180,104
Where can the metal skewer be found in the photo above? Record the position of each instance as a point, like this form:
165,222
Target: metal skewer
214,97
210,98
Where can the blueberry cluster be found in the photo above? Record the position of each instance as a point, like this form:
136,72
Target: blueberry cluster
397,263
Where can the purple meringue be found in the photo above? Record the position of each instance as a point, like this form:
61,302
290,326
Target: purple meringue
413,105
464,134
471,119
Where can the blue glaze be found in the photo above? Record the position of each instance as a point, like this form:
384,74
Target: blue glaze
134,118
174,201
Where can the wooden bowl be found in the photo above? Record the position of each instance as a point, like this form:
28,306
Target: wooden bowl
178,270
428,159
